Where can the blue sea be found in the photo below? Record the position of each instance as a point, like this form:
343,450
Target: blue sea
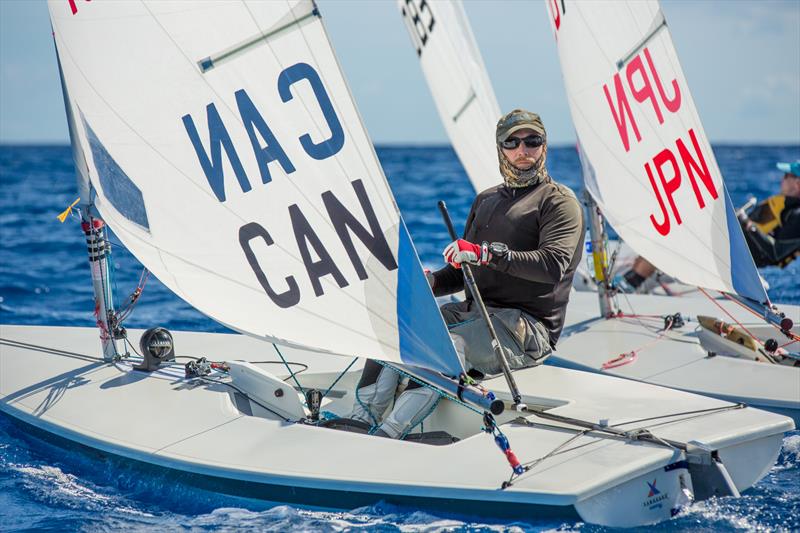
45,279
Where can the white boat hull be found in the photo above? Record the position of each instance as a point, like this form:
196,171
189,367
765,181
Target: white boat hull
206,432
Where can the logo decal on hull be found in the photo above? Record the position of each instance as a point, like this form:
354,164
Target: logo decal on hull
655,497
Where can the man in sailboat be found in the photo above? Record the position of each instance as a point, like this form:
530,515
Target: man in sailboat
523,238
771,229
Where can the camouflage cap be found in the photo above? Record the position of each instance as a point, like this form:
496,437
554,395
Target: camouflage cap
517,120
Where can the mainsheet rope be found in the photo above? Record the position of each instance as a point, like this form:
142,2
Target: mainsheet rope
756,339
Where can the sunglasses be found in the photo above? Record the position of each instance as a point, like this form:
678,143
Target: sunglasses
533,141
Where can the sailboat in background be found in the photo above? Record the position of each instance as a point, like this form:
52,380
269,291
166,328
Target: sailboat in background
640,133
462,91
649,167
219,140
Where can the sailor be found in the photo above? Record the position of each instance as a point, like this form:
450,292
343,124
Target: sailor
771,229
523,239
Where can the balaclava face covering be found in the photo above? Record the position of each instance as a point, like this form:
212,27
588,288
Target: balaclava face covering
516,178
509,123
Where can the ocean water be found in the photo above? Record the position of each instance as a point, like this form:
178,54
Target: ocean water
44,279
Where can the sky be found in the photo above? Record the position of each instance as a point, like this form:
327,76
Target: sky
741,60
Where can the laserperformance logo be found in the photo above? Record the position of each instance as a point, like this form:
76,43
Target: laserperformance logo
655,497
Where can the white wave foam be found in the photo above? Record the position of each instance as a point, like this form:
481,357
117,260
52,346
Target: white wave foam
790,454
791,446
52,485
719,513
381,517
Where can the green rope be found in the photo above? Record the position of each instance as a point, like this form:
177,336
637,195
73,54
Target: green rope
375,423
456,324
340,377
291,372
110,284
429,413
327,415
424,384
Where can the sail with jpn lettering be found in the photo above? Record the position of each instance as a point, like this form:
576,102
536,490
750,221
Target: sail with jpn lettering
226,153
646,159
462,91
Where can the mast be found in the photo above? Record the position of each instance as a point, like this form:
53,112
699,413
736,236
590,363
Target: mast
597,233
93,227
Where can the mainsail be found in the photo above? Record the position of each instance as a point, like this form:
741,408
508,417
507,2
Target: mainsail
227,154
647,161
451,61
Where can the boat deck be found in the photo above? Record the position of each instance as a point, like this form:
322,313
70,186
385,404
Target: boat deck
677,359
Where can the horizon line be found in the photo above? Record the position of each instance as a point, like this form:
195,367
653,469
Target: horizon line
411,144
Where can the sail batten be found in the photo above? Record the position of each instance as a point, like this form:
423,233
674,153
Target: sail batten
646,159
290,21
266,207
658,23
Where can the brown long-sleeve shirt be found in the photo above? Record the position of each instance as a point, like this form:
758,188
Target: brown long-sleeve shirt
543,227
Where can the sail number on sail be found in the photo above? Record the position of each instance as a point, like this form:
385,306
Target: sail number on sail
637,85
253,121
73,7
420,22
667,165
343,222
309,244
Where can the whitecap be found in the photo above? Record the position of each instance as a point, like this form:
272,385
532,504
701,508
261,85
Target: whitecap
789,456
55,487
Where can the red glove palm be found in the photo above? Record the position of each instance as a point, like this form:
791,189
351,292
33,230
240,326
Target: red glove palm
462,251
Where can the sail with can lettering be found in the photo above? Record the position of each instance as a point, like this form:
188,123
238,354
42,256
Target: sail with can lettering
646,158
225,151
462,91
